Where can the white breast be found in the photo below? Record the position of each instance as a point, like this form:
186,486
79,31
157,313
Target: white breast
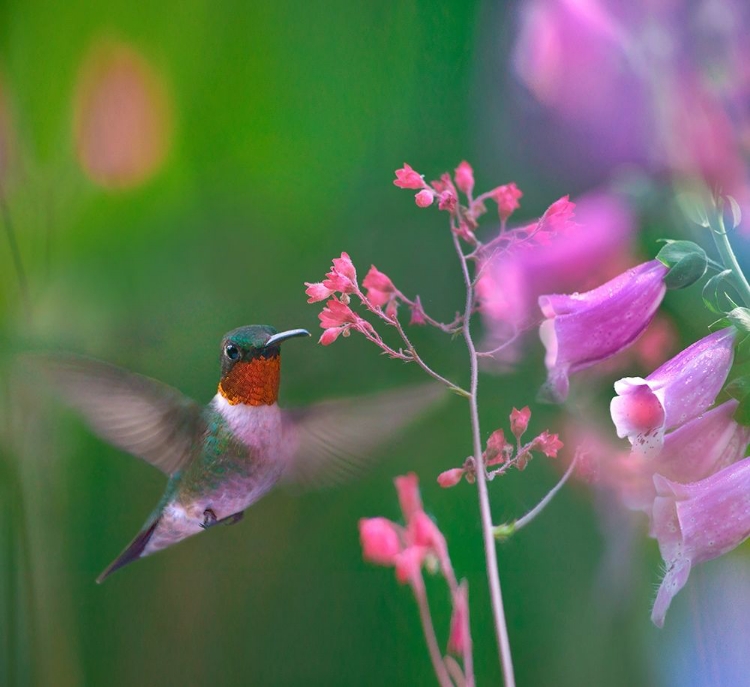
258,427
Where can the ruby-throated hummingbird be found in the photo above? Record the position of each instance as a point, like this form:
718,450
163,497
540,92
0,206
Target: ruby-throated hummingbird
223,457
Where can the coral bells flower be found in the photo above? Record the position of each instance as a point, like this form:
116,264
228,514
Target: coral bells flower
548,444
317,292
583,329
519,421
459,640
450,478
506,197
424,198
406,177
681,389
343,276
380,288
380,540
447,200
464,177
337,318
697,522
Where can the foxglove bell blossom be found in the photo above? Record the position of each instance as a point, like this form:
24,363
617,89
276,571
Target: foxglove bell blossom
583,329
697,522
678,391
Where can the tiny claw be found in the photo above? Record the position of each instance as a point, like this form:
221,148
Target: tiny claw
233,519
209,518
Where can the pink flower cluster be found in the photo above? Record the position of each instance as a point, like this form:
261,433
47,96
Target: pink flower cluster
503,454
412,548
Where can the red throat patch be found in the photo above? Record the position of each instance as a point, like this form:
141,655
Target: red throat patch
254,383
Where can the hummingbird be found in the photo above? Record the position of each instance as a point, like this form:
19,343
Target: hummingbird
221,458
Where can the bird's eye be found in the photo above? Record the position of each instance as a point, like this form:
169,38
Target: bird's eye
232,352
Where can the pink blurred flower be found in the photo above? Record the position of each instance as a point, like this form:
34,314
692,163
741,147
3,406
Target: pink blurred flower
424,198
417,313
459,640
447,201
464,177
594,249
407,488
450,478
380,289
406,177
519,421
506,197
679,390
583,329
380,540
697,522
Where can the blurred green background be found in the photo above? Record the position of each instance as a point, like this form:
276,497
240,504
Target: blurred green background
282,124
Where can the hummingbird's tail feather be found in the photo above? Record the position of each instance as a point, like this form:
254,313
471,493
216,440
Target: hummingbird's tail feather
133,551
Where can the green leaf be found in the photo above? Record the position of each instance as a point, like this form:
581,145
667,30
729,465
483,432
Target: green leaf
739,388
742,414
740,318
675,251
686,271
715,296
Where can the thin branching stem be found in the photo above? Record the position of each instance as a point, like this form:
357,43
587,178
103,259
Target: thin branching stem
498,612
441,672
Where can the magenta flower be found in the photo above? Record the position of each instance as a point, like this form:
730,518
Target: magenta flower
697,522
506,197
584,329
406,177
380,540
424,198
464,177
692,452
681,389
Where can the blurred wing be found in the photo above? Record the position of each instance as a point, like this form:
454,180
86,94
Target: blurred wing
137,414
331,441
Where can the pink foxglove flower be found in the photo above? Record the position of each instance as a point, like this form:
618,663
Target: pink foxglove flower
697,522
692,452
583,329
679,390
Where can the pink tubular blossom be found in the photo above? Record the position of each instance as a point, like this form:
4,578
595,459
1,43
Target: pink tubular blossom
337,318
317,292
380,540
380,288
464,177
417,313
548,444
406,177
496,446
697,522
506,197
583,329
679,390
459,640
447,201
519,421
409,565
342,277
450,478
407,488
424,198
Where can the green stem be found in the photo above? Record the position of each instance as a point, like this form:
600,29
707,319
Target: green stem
721,239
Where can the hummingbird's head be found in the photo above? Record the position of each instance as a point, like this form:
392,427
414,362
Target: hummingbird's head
250,364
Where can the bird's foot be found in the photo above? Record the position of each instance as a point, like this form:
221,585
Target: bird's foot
233,519
209,518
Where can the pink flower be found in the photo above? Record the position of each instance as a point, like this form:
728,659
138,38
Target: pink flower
424,198
343,276
407,488
679,390
406,177
337,318
506,197
317,292
548,444
380,540
450,478
519,421
409,565
583,329
459,640
447,201
697,522
581,256
692,452
496,446
380,289
417,313
465,178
